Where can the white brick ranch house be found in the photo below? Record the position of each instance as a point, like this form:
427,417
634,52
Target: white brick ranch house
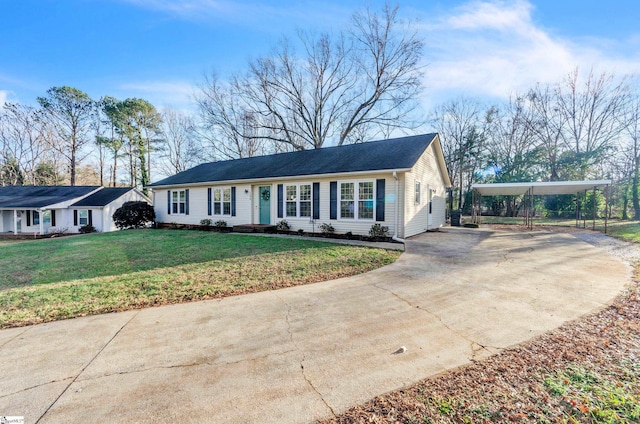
400,183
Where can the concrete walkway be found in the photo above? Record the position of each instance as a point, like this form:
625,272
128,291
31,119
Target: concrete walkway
304,353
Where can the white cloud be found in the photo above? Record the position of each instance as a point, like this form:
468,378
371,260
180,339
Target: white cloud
494,48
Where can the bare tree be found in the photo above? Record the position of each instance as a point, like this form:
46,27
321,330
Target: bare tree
341,87
590,109
631,150
181,149
461,125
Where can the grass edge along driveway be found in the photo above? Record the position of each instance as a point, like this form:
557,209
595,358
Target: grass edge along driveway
217,265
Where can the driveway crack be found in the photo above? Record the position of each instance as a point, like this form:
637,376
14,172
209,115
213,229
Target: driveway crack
26,389
87,365
304,357
15,337
189,365
475,346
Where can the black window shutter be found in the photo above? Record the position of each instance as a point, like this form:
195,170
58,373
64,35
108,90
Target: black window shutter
380,200
169,202
209,201
53,218
186,202
333,200
90,217
316,200
28,218
233,201
75,217
280,196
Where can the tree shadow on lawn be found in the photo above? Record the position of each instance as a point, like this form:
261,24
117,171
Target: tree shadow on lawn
106,254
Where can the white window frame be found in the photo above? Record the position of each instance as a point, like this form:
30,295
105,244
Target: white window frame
418,192
35,218
176,202
224,196
356,200
297,200
81,218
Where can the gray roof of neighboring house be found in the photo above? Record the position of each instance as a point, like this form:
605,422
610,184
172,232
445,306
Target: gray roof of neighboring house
398,153
103,197
34,197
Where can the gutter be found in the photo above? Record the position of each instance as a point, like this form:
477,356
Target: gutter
397,200
274,179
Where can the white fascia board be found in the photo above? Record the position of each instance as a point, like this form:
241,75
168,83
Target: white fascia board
278,179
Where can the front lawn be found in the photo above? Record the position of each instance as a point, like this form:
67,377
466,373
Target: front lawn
45,280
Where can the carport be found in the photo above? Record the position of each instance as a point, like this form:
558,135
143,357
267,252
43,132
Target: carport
544,188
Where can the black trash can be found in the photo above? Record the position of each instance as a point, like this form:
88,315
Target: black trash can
456,218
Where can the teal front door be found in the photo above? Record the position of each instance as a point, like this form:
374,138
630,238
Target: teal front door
265,204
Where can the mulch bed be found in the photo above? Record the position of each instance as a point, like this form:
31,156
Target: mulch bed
536,381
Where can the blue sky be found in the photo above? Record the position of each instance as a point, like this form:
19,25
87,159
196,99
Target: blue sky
160,49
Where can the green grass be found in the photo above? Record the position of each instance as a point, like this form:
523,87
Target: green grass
596,397
45,280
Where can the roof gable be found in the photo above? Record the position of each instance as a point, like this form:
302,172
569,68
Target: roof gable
13,197
399,153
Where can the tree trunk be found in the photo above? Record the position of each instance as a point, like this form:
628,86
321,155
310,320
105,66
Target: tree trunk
635,196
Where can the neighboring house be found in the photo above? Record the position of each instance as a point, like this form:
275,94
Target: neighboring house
400,183
44,209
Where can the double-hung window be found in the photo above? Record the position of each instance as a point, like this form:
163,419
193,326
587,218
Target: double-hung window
36,218
222,201
365,200
417,192
178,202
357,200
305,200
83,217
291,201
298,198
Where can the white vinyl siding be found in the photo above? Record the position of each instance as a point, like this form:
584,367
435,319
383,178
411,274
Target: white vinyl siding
427,172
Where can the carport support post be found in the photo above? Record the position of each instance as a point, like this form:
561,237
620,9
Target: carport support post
606,207
584,215
15,222
593,225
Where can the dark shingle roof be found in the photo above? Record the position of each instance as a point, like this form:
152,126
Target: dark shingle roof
103,197
399,153
40,196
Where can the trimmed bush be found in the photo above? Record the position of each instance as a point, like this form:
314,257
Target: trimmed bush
326,229
134,215
283,226
86,229
378,231
221,223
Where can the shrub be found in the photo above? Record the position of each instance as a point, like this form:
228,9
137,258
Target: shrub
326,229
221,223
349,234
283,226
378,231
134,215
300,231
206,222
86,229
58,231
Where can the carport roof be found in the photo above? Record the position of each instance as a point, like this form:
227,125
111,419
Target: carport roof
538,188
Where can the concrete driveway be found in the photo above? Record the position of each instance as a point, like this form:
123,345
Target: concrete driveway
303,353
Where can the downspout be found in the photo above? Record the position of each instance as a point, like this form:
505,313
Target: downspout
397,200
